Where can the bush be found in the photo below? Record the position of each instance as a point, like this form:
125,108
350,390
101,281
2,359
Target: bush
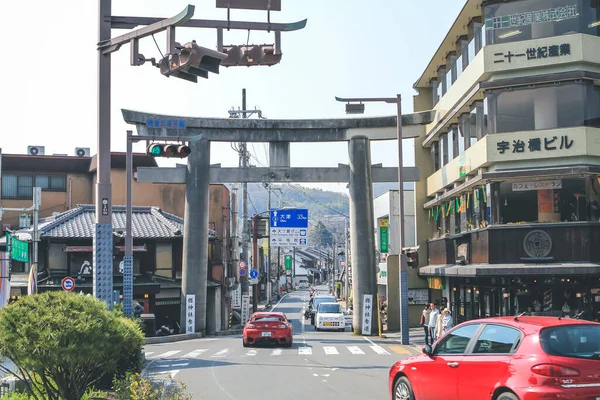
62,343
134,387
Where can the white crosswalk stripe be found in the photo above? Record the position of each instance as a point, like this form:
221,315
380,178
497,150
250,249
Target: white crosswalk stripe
379,350
276,352
168,354
149,353
251,353
221,353
195,353
330,350
304,351
355,350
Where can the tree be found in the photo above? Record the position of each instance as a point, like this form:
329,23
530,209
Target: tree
321,235
62,343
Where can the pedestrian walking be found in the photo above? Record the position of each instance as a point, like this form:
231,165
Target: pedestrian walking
446,320
433,317
425,322
439,329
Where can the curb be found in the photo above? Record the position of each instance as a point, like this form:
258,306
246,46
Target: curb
229,332
173,338
144,372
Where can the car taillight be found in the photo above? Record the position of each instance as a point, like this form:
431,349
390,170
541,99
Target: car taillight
555,371
282,326
250,326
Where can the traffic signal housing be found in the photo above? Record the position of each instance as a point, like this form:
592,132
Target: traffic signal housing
191,62
250,55
168,150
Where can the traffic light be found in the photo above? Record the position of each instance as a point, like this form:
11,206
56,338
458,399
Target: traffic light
168,150
191,62
250,55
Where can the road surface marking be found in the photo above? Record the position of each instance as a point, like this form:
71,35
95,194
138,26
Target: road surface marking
282,297
399,349
221,353
330,350
304,351
168,354
180,365
276,352
355,350
195,353
171,373
251,353
379,350
148,353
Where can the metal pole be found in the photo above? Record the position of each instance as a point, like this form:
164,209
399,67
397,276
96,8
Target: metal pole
103,234
37,199
403,276
128,259
255,257
269,260
245,228
294,267
234,229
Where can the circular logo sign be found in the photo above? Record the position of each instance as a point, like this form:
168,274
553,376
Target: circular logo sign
68,284
242,264
253,274
242,272
537,244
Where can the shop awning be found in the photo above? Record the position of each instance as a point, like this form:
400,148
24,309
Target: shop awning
482,270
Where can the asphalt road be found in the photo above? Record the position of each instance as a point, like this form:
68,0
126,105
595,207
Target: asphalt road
319,366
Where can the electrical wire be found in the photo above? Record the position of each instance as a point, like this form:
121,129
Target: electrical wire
161,54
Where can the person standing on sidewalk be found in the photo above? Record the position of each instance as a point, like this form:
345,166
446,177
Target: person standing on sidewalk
433,317
425,323
446,320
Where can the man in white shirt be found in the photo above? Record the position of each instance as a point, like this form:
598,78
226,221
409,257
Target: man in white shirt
435,313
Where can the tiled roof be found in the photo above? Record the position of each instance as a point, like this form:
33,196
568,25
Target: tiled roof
147,223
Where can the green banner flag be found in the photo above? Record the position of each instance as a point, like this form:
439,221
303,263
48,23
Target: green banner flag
383,236
19,250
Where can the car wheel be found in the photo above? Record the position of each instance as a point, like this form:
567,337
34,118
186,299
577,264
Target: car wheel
245,343
316,329
403,390
507,396
342,329
290,343
312,320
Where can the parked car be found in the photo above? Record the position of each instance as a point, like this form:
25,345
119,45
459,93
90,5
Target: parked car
268,328
330,316
318,299
505,358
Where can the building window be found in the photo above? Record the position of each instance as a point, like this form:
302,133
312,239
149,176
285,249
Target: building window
435,154
51,183
444,149
544,107
435,91
20,186
516,21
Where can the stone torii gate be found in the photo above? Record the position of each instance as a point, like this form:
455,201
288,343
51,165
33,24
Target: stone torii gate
199,132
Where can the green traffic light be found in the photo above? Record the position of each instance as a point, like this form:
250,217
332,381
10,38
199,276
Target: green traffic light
155,150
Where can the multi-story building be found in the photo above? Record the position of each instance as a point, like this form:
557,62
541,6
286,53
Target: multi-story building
509,211
67,217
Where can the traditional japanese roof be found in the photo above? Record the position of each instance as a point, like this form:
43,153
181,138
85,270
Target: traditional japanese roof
79,223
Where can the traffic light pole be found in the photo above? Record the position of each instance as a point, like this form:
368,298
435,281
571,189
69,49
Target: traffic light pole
128,259
245,228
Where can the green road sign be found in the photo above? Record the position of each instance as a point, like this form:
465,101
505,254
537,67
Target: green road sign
19,250
288,263
383,236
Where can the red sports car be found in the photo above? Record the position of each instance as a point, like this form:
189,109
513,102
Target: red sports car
268,328
505,358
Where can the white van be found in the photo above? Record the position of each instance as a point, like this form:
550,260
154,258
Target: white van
303,283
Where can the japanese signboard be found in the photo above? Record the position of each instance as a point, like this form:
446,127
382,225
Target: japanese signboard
538,185
367,313
532,17
535,144
236,298
534,53
190,314
383,236
289,227
245,308
19,250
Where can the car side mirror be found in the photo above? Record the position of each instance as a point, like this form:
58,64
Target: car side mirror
427,350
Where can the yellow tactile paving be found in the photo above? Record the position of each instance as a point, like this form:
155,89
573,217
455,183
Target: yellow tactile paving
399,349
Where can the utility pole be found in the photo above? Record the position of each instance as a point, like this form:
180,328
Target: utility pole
346,258
269,260
234,229
245,229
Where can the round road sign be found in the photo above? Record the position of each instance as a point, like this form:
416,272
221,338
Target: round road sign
253,274
68,284
242,264
242,272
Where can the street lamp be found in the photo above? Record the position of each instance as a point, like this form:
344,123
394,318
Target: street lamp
353,108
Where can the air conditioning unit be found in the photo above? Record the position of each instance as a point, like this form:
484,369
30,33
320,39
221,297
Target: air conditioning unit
36,150
82,151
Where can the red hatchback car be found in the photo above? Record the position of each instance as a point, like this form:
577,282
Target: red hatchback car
268,328
506,358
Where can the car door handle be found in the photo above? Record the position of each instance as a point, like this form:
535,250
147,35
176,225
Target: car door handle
453,364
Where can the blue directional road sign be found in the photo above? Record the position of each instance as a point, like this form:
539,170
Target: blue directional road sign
253,274
289,227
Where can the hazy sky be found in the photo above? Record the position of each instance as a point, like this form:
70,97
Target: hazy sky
349,48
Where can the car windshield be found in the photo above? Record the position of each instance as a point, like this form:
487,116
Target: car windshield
573,341
322,300
266,319
330,308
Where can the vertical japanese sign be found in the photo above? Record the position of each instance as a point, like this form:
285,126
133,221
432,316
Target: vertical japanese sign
383,236
19,250
190,305
236,298
245,308
367,313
